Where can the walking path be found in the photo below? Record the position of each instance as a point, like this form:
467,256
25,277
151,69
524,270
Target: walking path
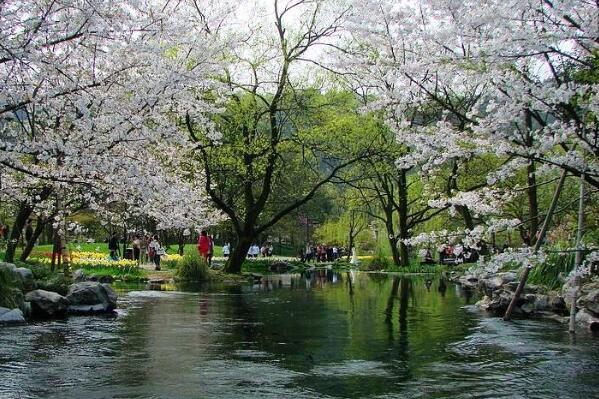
157,276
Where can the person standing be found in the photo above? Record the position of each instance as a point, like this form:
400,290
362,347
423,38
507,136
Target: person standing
226,250
210,250
269,250
136,244
3,231
113,247
263,250
204,245
148,240
155,249
143,249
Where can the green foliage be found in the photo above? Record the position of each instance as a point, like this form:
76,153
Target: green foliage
9,290
40,271
132,274
264,265
256,266
57,282
192,268
341,265
379,262
552,272
415,267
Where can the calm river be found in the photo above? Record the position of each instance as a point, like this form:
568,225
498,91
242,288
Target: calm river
319,336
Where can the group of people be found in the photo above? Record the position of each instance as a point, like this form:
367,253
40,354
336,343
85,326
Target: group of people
146,248
321,253
266,250
457,254
206,247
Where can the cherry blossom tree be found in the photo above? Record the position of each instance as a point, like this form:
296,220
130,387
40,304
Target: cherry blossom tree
89,92
512,80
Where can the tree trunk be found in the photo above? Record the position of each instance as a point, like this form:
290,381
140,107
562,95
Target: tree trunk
540,239
350,246
39,229
25,211
391,300
239,254
395,252
391,235
404,234
125,241
467,216
533,204
56,250
404,302
579,255
531,179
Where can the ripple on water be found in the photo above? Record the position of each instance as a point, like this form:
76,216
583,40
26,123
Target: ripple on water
252,354
152,294
362,368
213,345
241,378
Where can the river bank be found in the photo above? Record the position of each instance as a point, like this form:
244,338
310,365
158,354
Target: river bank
498,290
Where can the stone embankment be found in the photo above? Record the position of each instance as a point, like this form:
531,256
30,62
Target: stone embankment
83,297
498,290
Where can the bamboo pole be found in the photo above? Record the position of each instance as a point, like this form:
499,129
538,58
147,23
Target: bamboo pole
578,261
538,243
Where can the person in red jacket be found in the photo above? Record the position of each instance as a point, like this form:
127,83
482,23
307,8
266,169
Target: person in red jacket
204,245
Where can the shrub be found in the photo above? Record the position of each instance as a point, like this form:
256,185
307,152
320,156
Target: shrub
341,265
40,271
553,271
192,268
132,274
57,282
379,262
9,292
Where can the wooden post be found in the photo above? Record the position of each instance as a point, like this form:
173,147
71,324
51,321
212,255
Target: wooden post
538,243
578,261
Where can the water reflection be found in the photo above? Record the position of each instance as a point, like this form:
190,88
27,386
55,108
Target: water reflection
314,334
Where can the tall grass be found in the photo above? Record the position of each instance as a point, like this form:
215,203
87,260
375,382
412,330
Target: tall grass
9,293
379,262
192,268
548,274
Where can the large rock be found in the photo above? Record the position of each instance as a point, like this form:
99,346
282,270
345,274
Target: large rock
11,316
10,271
47,303
528,308
280,267
588,319
588,287
79,276
91,297
26,277
484,303
8,266
497,281
541,302
590,302
498,302
557,303
469,281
